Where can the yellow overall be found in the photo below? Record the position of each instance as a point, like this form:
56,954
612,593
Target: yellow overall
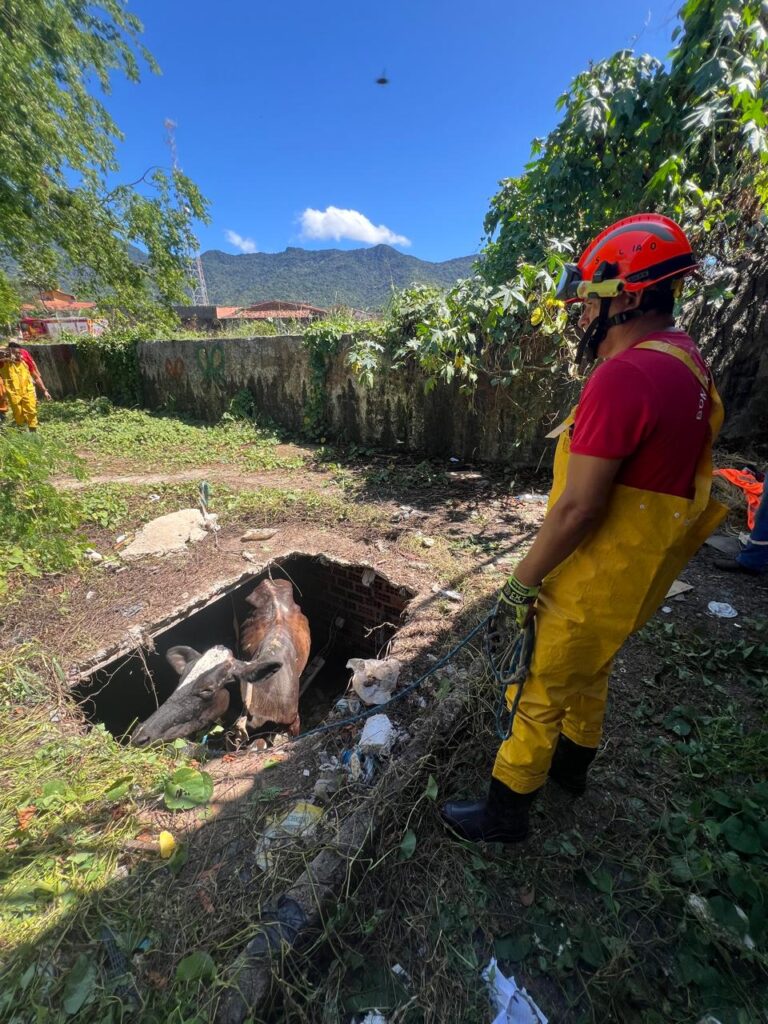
590,603
21,393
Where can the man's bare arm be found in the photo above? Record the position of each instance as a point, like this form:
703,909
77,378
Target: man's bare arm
578,510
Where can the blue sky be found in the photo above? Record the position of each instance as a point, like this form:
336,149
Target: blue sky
282,126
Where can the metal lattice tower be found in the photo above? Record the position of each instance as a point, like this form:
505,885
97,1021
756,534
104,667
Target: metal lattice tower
200,289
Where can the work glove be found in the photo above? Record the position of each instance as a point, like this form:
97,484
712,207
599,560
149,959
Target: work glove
516,601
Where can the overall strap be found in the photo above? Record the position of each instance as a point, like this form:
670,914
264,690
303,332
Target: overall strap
703,484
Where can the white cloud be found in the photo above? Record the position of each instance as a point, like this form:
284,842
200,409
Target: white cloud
243,244
335,223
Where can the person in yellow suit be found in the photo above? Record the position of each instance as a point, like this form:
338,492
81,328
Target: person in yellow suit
630,504
3,402
20,388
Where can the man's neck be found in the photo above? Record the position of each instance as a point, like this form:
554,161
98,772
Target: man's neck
624,336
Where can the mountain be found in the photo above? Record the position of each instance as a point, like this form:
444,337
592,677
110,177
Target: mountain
363,278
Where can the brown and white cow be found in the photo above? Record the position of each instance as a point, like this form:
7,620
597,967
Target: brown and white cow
275,638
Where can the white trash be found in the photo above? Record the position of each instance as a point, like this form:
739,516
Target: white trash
377,736
374,679
722,609
513,1004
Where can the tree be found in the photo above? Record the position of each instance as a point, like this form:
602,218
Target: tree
57,150
635,135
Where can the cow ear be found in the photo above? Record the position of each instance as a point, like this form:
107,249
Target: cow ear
180,657
255,671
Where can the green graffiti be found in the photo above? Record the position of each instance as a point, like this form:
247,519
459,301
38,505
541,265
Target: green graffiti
210,361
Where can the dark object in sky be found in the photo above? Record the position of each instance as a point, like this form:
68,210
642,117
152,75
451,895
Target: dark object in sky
382,79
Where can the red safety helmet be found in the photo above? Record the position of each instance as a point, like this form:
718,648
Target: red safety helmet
630,255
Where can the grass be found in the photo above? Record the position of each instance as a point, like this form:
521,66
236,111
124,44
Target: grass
158,442
69,804
122,507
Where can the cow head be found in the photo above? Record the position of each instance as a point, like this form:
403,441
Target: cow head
201,696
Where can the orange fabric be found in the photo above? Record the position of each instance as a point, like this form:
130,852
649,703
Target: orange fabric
747,482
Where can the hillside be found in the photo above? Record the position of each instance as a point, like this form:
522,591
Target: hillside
358,277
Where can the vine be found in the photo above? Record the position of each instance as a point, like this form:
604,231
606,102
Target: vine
324,340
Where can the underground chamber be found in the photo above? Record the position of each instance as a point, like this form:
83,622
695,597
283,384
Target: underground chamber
353,612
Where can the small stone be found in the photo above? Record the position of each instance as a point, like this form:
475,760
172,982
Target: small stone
93,556
369,575
90,595
263,534
306,773
428,542
249,556
381,546
450,595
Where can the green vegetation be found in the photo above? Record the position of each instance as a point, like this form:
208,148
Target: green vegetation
37,520
58,151
159,442
71,804
362,278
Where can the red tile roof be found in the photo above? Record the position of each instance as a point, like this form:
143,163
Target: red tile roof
57,306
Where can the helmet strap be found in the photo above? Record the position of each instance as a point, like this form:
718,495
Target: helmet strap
595,334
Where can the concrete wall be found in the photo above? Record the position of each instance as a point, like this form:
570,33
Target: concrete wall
201,378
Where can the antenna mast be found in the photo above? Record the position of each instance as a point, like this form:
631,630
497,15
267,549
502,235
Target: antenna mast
200,289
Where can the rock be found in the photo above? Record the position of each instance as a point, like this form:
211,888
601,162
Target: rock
381,546
377,736
263,534
93,556
369,575
90,595
167,534
428,542
450,595
249,556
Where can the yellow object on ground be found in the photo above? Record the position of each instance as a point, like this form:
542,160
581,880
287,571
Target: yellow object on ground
20,389
167,844
588,606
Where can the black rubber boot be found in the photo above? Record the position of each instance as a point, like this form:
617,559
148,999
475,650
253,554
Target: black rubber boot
732,565
569,765
501,818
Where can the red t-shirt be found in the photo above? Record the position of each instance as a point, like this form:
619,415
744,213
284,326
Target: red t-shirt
649,410
29,362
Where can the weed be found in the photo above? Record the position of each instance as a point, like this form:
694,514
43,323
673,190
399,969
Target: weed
38,522
160,441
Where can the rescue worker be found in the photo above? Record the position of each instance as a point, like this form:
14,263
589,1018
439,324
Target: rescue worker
3,403
630,504
18,384
753,560
31,366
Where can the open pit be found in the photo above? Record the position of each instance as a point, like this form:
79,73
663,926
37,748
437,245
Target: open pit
353,611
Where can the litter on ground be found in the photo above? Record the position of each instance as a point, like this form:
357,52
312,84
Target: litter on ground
722,609
513,1004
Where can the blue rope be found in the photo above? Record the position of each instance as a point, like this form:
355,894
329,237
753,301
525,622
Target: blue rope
378,708
512,670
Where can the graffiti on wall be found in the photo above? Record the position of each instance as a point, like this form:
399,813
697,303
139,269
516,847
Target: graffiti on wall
210,362
174,368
